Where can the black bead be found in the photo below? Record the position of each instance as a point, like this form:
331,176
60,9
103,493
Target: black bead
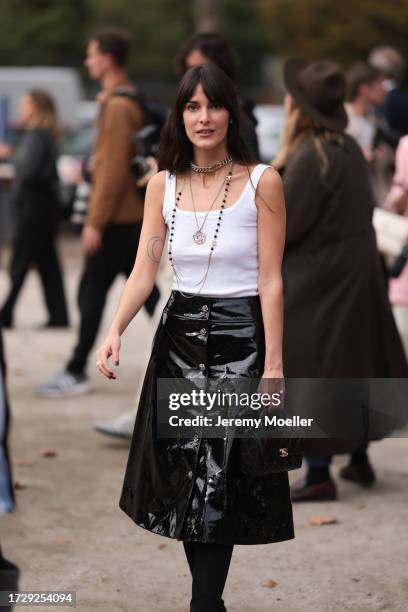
218,224
216,231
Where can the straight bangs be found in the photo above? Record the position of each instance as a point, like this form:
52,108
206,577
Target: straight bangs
217,93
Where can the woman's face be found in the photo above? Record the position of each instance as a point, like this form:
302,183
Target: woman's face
206,124
27,108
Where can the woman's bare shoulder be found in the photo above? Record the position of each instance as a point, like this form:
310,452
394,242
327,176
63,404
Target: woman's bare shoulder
270,190
155,189
158,181
270,180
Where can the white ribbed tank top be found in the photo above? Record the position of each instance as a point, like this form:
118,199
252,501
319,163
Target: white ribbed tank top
234,265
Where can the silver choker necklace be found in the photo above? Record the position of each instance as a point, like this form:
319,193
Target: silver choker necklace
213,168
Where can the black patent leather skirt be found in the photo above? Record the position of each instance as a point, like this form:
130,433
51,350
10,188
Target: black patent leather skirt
193,489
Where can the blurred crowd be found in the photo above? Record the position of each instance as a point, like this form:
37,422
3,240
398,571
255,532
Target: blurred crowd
108,200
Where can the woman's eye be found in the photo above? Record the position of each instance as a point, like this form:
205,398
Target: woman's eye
191,107
216,105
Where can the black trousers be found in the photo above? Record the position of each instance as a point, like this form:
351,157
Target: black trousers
116,256
209,564
34,243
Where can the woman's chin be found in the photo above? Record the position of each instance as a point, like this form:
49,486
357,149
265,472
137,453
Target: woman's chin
207,143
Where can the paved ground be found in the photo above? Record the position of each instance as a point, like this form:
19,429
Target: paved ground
68,532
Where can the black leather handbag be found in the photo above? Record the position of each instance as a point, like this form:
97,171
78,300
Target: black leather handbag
263,456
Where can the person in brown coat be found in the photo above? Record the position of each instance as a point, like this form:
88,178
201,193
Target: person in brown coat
112,227
338,320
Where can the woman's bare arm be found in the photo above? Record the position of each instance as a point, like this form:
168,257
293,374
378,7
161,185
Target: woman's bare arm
271,240
141,280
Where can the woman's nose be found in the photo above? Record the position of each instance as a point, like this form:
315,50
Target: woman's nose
204,115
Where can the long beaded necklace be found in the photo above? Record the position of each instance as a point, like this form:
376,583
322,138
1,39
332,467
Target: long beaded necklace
202,281
199,236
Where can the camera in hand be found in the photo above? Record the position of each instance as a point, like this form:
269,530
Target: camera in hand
147,143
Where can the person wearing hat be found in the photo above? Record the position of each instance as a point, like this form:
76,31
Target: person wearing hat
338,320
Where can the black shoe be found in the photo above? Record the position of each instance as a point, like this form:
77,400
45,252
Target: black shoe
6,320
300,491
360,473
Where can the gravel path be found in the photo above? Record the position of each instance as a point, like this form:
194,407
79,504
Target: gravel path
68,532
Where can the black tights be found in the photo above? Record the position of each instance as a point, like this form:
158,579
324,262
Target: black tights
209,564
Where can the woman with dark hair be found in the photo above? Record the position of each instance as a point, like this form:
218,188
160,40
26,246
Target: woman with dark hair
225,218
336,304
35,194
212,48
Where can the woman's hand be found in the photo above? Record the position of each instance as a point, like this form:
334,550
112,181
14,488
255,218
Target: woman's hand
5,150
273,383
110,348
400,204
91,239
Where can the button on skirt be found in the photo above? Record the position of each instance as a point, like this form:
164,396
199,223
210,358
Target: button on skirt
193,489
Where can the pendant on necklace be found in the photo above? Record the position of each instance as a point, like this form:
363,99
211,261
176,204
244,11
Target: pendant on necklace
199,237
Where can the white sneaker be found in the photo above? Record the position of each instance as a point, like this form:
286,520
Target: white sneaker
121,427
64,384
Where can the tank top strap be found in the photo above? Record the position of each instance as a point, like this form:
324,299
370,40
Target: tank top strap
169,194
257,172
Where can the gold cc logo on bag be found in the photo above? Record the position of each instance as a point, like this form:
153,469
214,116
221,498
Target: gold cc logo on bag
283,452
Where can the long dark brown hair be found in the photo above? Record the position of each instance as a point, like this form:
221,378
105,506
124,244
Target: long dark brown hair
176,150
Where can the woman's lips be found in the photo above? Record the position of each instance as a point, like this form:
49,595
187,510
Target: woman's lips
205,132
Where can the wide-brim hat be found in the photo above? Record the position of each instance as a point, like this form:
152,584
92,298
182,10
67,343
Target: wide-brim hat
318,88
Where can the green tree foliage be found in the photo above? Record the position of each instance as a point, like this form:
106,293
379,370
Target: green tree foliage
339,29
54,32
157,28
42,32
243,27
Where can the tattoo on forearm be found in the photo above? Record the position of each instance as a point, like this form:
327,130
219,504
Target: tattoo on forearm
154,248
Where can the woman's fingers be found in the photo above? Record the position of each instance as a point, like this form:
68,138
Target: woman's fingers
102,363
115,355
